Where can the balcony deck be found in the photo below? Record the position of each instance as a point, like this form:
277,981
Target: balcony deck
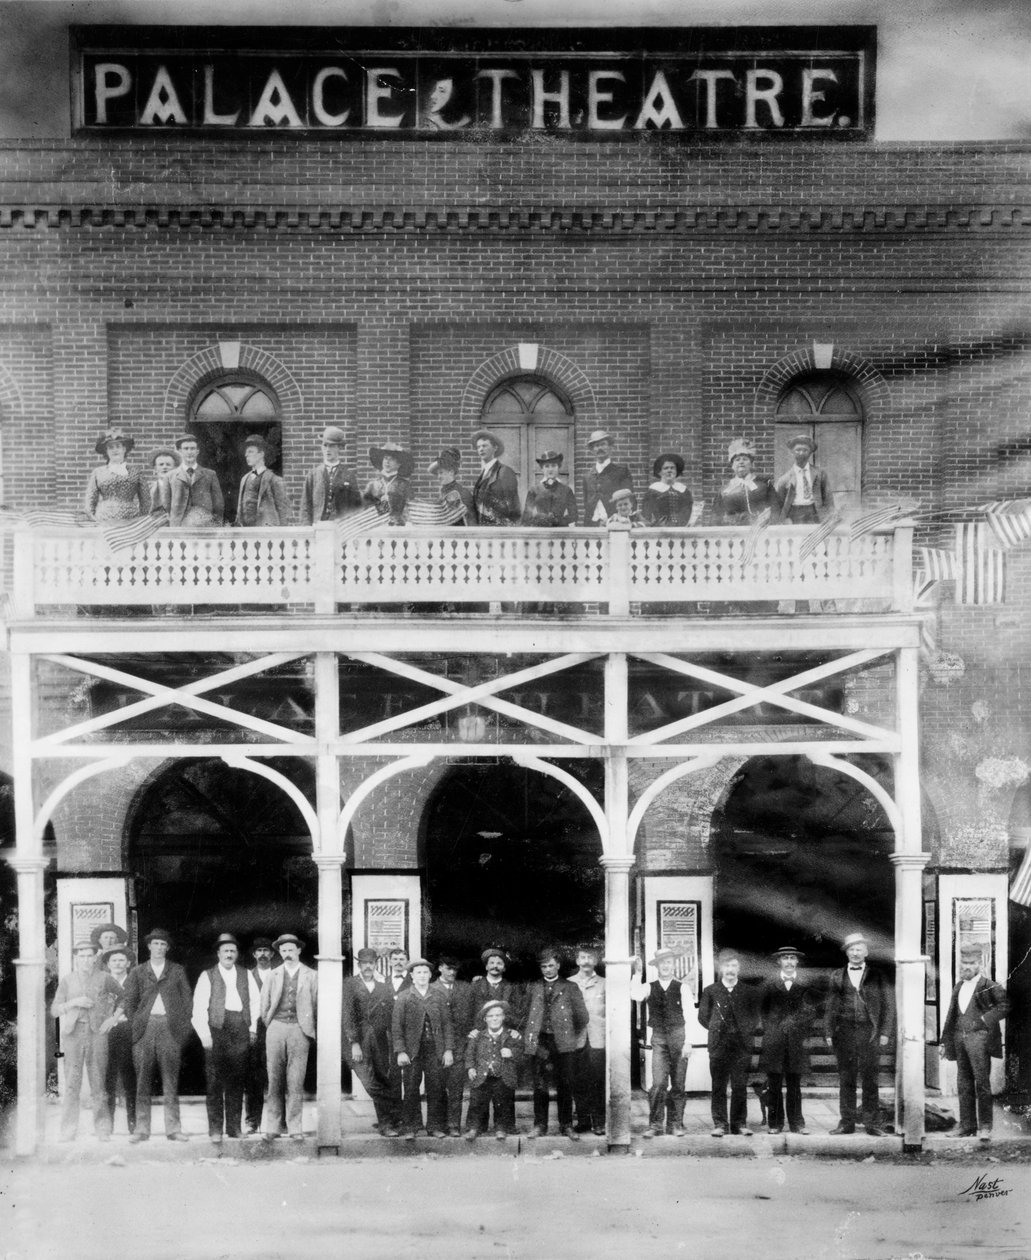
586,573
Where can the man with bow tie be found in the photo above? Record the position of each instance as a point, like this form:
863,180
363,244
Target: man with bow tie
602,481
190,494
858,1022
331,488
787,1008
550,504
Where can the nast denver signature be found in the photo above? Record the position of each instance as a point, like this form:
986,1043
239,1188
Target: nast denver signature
982,1188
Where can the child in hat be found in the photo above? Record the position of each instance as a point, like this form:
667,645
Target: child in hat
494,1053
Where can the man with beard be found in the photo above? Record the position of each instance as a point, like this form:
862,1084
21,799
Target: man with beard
257,1074
367,1011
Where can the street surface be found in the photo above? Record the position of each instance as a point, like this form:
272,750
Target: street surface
526,1208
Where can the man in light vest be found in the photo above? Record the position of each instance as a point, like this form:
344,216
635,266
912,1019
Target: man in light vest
226,1002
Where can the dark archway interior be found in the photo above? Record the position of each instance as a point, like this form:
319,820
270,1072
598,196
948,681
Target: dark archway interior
801,856
511,859
215,849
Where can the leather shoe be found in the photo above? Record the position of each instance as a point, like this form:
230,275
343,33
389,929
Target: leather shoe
537,1131
471,1135
842,1129
216,1138
679,1131
803,1132
966,1133
501,1135
873,1130
177,1137
984,1135
138,1137
650,1133
438,1133
569,1132
742,1132
719,1131
599,1131
776,1130
390,1132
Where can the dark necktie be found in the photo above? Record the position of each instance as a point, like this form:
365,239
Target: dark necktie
853,967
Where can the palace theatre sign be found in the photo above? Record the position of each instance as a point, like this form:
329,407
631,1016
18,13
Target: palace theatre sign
598,85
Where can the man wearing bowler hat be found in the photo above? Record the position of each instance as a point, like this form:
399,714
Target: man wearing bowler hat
289,1005
424,1043
550,504
225,1016
671,1018
367,1008
158,1005
729,1012
190,494
257,1075
803,491
496,489
603,480
331,488
858,1022
787,1008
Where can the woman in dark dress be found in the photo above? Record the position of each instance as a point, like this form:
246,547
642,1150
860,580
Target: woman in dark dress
747,494
388,492
667,502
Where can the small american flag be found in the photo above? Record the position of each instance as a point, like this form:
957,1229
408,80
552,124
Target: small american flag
820,534
981,577
752,538
357,523
125,536
434,515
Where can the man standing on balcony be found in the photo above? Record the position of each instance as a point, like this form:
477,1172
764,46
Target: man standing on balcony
803,492
496,490
190,494
262,496
602,481
331,488
858,1023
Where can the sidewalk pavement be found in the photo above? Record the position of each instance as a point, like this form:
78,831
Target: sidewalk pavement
361,1141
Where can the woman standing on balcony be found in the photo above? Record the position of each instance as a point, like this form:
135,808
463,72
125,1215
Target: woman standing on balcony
667,502
388,493
747,494
115,491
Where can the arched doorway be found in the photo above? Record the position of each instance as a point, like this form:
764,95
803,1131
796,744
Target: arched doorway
511,857
218,849
802,857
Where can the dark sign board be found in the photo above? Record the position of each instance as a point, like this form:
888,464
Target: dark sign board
611,84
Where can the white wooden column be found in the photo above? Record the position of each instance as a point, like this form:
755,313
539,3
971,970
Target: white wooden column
30,965
329,859
617,861
909,862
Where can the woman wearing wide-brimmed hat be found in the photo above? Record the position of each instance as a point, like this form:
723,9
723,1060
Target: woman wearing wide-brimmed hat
116,492
747,494
496,489
388,492
667,501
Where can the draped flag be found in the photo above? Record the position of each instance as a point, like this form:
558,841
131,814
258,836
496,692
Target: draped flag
820,534
39,517
981,569
124,535
923,585
752,538
434,515
357,523
879,517
1020,889
1009,521
938,565
697,508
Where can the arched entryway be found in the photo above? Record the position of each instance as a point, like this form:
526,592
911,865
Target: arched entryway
511,857
213,848
801,856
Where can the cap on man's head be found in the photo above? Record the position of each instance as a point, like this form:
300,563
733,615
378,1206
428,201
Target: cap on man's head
288,938
495,1004
448,960
420,962
493,952
108,954
261,942
800,439
332,433
971,951
619,495
599,435
549,953
366,955
84,943
854,938
226,938
158,934
186,437
788,949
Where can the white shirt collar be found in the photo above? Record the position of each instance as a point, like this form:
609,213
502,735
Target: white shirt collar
598,467
661,485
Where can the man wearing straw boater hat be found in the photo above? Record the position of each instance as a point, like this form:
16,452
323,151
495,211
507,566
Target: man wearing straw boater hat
330,488
858,1022
602,481
787,1008
671,1017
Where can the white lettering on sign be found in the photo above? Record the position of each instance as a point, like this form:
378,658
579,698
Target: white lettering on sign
163,102
275,105
596,98
377,92
318,105
105,90
659,108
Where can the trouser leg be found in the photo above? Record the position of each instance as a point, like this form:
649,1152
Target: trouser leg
169,1056
660,1077
74,1046
411,1107
975,1082
565,1085
719,1068
144,1059
298,1045
869,1067
739,1087
455,1078
436,1110
275,1059
793,1082
775,1106
542,1071
846,1053
257,1081
96,1067
677,1095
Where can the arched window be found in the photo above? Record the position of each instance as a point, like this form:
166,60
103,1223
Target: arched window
223,413
827,406
530,416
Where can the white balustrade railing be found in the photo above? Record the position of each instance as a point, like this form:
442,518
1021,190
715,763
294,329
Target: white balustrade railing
311,567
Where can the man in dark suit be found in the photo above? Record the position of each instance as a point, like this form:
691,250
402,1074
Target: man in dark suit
858,1022
803,492
971,1038
158,1005
225,1017
496,489
603,480
729,1011
262,496
555,1016
190,494
787,1009
120,1072
458,996
367,1011
398,979
257,1073
331,488
424,1043
493,987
